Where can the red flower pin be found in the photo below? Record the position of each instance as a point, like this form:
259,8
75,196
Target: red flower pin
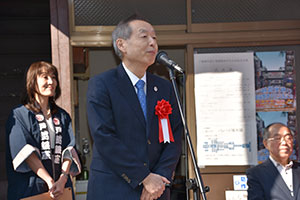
163,109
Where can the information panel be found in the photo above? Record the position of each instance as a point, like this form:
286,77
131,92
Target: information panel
225,109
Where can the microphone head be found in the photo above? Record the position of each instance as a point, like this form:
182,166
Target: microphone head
162,58
159,56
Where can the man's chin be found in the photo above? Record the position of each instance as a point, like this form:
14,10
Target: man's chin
285,155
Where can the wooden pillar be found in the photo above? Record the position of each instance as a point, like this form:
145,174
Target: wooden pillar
61,50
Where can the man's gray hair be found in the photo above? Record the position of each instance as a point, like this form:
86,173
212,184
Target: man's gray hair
124,31
268,132
121,31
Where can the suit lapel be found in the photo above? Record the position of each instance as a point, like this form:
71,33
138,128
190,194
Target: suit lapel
152,91
152,96
277,178
296,178
127,90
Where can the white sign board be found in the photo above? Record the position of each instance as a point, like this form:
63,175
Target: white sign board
236,195
225,109
240,182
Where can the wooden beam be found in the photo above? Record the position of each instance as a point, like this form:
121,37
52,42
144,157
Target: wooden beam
61,50
205,35
189,15
246,26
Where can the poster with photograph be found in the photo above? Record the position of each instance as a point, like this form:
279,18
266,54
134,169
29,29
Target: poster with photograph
275,92
225,109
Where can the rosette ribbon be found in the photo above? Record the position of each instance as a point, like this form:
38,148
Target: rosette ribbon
162,110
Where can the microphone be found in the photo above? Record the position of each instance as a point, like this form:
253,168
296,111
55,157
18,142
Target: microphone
162,58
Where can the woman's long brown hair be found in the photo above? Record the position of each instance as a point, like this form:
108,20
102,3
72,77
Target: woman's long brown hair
28,98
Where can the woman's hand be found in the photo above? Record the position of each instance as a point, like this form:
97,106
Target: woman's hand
57,188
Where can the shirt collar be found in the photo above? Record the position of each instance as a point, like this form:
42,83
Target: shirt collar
277,164
133,78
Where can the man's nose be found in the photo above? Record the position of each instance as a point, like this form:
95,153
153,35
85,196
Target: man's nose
152,41
283,141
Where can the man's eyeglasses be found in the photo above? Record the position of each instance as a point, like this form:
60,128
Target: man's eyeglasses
278,138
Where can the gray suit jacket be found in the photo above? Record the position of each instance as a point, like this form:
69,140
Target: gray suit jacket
265,182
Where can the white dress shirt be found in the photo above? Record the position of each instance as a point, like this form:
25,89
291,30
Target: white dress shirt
134,79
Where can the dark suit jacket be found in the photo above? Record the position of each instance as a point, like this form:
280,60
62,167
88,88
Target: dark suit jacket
126,148
265,182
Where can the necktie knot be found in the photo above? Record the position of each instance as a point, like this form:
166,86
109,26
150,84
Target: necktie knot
140,84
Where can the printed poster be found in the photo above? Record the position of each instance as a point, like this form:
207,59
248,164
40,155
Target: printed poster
225,109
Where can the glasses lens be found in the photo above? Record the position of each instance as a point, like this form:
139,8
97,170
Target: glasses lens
287,137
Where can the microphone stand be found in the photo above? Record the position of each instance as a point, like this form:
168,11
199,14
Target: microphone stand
195,184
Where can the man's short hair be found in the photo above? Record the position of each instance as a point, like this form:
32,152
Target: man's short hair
124,31
267,130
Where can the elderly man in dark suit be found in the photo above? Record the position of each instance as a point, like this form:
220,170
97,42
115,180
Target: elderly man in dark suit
134,121
278,177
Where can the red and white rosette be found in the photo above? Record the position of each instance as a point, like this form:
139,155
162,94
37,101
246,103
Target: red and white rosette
162,110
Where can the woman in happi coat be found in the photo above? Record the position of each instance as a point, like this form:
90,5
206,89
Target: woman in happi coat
40,152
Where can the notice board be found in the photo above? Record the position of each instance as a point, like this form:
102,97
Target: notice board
225,109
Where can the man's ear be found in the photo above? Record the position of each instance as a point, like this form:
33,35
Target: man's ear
266,143
121,44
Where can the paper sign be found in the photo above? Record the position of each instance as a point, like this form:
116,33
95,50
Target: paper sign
240,182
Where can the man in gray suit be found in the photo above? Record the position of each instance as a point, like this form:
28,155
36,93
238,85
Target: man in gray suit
278,177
